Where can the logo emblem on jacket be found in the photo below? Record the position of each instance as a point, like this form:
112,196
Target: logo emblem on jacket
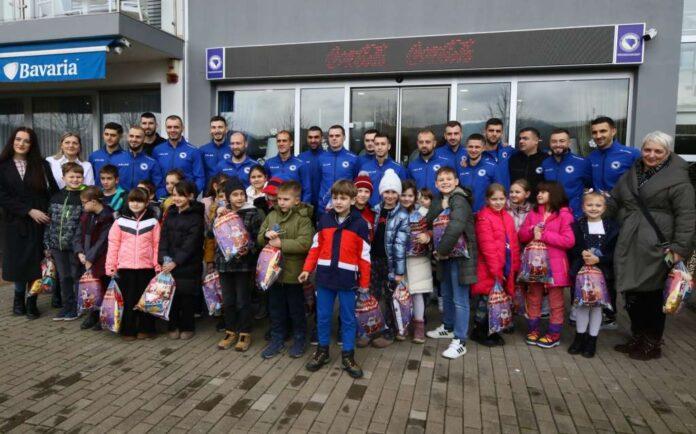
538,170
345,164
569,169
436,168
482,172
143,166
182,155
247,170
504,154
226,157
292,167
615,165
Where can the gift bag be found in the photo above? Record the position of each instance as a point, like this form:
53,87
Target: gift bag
158,296
403,307
111,310
368,314
440,223
519,301
418,225
89,293
47,282
535,266
212,292
230,234
591,288
268,267
499,309
678,288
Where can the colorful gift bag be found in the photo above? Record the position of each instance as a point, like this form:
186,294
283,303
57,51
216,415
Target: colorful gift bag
157,297
535,266
212,292
230,234
47,282
499,309
418,225
519,301
440,223
89,293
268,267
368,314
591,288
678,288
403,307
111,310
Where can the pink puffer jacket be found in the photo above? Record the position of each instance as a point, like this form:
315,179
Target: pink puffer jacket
558,237
133,243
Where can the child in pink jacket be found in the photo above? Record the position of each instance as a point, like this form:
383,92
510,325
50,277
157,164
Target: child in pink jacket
132,259
550,222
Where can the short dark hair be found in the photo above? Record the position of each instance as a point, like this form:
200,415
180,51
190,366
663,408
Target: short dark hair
427,131
344,187
530,130
109,169
259,168
381,135
315,128
557,196
293,187
175,117
559,131
176,172
338,127
138,194
370,131
184,188
289,134
426,192
409,184
445,169
218,179
453,123
92,193
148,115
493,121
475,136
218,118
114,126
602,120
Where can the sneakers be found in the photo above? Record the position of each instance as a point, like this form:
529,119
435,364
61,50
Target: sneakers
59,317
273,349
549,340
440,333
319,359
532,337
349,364
230,339
243,343
418,332
297,349
70,316
455,350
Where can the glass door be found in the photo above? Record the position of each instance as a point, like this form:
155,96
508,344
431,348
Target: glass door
373,108
421,107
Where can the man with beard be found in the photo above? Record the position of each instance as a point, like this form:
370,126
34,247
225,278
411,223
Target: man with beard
367,154
573,172
148,122
336,163
177,153
478,172
496,151
526,162
611,159
452,150
217,149
311,159
288,167
423,169
101,157
376,167
240,164
134,165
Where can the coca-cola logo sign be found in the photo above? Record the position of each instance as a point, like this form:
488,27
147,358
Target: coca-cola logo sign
367,56
455,51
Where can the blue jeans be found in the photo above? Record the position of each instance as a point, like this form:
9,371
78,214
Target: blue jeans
346,306
21,288
455,300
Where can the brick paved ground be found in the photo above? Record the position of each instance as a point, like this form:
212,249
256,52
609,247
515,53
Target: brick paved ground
56,377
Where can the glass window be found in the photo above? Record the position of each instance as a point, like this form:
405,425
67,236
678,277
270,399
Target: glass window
478,102
685,140
689,20
259,114
421,107
125,108
320,107
11,117
373,108
56,115
546,105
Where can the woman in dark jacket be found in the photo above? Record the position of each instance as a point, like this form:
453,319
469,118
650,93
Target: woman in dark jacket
182,242
26,185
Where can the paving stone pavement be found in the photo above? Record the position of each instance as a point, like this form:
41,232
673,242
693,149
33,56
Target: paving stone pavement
58,378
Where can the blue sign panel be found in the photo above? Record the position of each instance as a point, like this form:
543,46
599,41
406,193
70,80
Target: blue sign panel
54,67
629,43
215,63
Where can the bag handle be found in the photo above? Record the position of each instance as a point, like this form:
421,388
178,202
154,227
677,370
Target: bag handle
644,210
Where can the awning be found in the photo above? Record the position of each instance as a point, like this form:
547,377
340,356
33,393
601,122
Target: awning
55,61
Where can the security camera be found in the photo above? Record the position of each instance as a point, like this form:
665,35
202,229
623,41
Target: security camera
650,34
399,78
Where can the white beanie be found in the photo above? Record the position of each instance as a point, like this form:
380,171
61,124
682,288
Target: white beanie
390,181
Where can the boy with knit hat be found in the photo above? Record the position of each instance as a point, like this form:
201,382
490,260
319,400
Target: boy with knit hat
365,188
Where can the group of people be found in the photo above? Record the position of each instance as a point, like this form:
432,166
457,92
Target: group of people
451,226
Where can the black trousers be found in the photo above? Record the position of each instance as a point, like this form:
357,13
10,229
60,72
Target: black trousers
181,315
132,284
645,311
286,304
236,301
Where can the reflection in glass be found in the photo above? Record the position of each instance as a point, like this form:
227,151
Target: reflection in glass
320,107
11,117
373,108
546,105
54,116
689,20
421,107
685,139
259,114
125,108
478,102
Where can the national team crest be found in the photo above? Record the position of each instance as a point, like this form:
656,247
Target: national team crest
247,170
182,155
292,167
482,172
345,164
615,165
143,166
569,169
436,167
539,170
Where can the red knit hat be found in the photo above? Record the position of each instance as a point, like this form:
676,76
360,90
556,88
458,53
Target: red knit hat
272,186
363,181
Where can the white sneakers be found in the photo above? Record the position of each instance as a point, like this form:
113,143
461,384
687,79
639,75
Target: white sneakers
455,350
440,333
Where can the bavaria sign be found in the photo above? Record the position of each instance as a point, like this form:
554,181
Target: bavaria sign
53,67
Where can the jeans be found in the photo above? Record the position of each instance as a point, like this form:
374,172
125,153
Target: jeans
455,300
286,302
236,301
21,288
67,267
346,304
132,284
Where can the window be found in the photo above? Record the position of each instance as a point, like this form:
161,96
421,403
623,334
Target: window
54,116
373,108
320,107
478,102
11,117
685,140
125,108
421,107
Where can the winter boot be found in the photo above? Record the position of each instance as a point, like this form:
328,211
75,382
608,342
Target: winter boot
590,347
319,359
578,343
418,332
349,364
32,310
19,308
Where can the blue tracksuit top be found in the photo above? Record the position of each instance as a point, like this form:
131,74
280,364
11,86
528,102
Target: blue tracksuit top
133,169
609,164
185,157
237,170
101,158
292,168
213,154
376,172
477,179
501,158
335,165
311,159
424,173
364,159
574,173
455,158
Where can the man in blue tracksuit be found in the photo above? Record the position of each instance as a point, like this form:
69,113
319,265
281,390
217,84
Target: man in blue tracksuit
496,151
311,159
288,167
218,149
177,153
367,154
477,172
375,168
611,159
573,172
423,169
112,136
452,150
135,165
336,163
240,164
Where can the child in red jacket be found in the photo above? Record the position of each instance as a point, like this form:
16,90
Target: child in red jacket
499,259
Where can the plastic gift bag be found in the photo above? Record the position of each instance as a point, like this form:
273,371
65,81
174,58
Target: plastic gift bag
47,282
268,267
499,309
418,225
212,292
440,223
403,307
89,293
111,310
368,314
591,288
535,264
158,296
678,288
230,234
519,301
310,298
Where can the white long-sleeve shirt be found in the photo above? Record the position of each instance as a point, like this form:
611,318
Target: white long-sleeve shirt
57,170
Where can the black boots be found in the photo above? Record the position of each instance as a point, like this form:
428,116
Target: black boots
590,347
90,321
32,310
319,359
349,365
634,341
18,307
578,343
649,348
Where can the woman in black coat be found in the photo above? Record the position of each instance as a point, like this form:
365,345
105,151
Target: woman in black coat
26,185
